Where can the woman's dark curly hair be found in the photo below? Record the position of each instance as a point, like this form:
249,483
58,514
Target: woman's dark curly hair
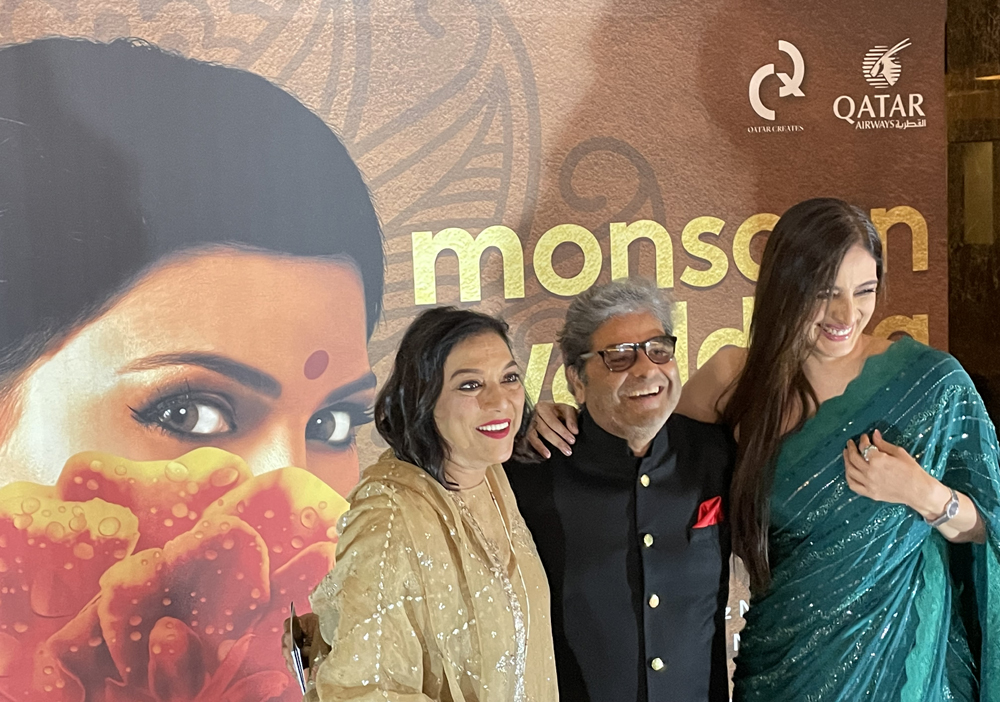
404,408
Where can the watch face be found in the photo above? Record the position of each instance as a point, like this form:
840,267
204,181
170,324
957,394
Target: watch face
952,509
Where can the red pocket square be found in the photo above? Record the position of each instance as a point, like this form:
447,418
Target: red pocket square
709,513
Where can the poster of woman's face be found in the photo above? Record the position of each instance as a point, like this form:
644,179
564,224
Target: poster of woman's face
190,259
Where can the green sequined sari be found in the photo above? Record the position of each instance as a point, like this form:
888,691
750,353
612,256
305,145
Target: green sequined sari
867,601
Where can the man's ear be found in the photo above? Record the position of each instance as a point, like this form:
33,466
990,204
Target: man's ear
576,385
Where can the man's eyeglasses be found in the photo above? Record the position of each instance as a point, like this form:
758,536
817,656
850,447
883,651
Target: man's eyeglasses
621,357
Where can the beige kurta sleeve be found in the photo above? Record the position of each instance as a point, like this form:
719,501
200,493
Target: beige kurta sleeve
372,609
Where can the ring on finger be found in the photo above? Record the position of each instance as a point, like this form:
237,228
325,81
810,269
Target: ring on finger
868,449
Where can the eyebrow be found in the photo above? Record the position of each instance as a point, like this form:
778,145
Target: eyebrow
365,382
240,372
477,370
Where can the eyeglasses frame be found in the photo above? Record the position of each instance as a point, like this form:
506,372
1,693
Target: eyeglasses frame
634,346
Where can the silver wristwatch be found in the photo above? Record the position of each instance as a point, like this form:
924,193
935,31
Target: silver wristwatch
950,512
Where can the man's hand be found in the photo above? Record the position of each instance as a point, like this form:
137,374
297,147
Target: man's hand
306,629
556,423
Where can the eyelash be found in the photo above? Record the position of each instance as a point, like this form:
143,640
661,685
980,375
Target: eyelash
358,415
825,295
509,378
152,414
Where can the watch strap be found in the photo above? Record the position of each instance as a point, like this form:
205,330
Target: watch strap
950,511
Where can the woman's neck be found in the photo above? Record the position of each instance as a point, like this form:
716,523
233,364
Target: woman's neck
830,377
464,477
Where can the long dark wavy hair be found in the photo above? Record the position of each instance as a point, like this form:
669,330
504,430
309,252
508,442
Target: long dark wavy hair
404,408
800,262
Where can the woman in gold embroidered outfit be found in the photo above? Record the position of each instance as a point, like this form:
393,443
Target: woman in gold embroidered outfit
438,592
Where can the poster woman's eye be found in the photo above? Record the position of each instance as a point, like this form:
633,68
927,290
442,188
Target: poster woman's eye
189,415
334,426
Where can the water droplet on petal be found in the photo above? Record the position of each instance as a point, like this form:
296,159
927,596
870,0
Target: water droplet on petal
120,469
308,518
224,476
255,593
30,505
269,514
92,484
176,472
109,526
20,627
83,551
211,555
22,521
135,635
135,620
78,523
297,542
55,531
179,510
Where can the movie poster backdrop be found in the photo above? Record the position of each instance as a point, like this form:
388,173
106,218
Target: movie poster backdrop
217,219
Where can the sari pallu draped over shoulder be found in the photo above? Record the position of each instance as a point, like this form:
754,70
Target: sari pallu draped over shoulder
867,601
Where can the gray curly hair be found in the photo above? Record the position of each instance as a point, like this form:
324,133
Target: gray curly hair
597,305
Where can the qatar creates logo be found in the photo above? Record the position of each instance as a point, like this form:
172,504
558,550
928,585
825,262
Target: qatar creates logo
881,65
789,84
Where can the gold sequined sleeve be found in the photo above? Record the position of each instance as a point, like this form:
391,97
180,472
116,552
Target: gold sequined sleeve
372,610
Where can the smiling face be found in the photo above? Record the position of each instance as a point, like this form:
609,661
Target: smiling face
635,403
261,355
845,310
481,404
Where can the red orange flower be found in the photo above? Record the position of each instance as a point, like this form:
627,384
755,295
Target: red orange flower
160,581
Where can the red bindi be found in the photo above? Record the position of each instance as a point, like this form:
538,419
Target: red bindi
316,364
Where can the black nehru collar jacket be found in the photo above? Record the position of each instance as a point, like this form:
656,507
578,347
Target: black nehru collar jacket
637,560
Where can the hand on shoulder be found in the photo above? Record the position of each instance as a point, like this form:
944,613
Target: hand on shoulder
555,423
707,391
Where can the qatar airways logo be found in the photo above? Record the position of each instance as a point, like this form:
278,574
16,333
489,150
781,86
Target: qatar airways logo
882,68
881,65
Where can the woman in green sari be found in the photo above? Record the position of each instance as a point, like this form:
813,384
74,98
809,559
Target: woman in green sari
861,464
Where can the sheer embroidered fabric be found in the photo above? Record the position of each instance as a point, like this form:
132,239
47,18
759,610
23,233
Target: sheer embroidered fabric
418,606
